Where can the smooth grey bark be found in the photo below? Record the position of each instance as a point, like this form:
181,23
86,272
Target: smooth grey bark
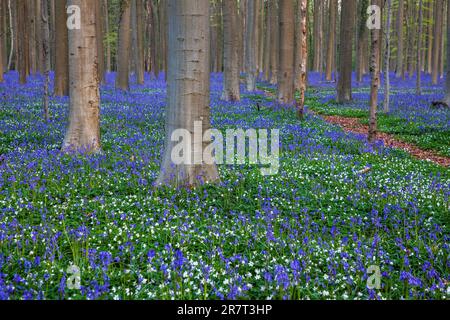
447,83
400,20
375,68
231,90
124,46
188,93
387,83
331,40
274,30
136,24
420,52
251,45
62,51
344,87
83,133
286,56
45,42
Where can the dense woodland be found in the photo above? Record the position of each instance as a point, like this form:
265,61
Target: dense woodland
92,91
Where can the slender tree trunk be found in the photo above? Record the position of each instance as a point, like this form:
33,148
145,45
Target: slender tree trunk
437,41
83,133
275,35
375,59
62,51
100,39
108,44
4,36
138,59
155,36
317,34
39,34
2,16
419,51
286,57
430,38
400,19
447,95
303,40
267,42
22,49
123,63
12,34
45,42
344,93
331,40
188,95
31,29
231,90
251,45
387,57
362,41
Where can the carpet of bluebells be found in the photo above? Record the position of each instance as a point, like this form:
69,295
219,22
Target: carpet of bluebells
310,232
411,117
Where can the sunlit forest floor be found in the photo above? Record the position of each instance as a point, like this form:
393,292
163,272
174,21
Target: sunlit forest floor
337,206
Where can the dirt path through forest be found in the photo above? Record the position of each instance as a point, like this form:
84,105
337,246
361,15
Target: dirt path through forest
354,125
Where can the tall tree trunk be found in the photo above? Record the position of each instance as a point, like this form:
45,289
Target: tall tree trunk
447,95
83,133
39,34
108,44
22,48
375,67
430,10
188,94
331,40
362,41
274,27
32,32
317,34
2,17
4,35
303,44
267,42
286,62
231,90
400,19
419,51
100,39
387,57
344,92
251,45
45,42
13,35
123,58
136,25
155,37
437,41
62,51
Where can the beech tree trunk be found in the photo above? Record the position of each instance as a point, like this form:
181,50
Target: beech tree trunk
62,51
387,57
124,46
100,39
22,41
286,57
438,21
138,59
83,133
2,17
188,93
108,44
251,45
344,92
447,86
362,41
375,68
400,19
231,90
275,35
331,40
42,10
420,51
303,45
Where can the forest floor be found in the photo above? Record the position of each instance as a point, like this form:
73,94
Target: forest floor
337,206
